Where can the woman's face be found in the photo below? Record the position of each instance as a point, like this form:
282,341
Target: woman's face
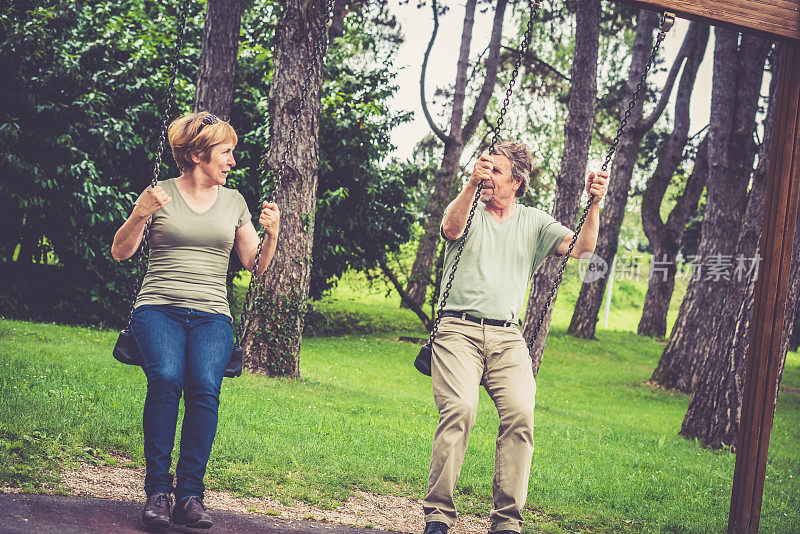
220,162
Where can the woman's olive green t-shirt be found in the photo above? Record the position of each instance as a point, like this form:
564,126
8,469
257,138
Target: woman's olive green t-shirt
189,251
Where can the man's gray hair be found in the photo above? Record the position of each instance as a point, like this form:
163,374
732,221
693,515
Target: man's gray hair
521,162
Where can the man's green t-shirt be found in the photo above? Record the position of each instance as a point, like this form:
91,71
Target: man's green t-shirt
189,251
498,261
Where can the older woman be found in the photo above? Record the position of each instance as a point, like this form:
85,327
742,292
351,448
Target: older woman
182,321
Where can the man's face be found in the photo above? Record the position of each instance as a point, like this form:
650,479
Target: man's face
501,186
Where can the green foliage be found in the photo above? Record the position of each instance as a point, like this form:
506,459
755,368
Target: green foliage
27,460
364,204
78,117
358,306
79,121
280,336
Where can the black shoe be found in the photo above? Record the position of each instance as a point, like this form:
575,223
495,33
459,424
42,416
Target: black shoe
435,527
503,532
191,512
156,510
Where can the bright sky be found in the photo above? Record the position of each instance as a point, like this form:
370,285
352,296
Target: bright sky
416,24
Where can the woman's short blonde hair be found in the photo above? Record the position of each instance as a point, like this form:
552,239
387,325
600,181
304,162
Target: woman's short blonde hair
521,162
196,134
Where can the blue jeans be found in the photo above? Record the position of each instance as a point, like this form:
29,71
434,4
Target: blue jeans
184,350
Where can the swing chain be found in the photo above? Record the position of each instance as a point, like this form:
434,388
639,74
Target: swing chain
667,19
319,49
665,24
144,248
526,39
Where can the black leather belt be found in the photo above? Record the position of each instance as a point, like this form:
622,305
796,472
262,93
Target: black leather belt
479,320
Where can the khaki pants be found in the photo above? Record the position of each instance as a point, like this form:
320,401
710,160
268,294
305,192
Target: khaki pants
466,355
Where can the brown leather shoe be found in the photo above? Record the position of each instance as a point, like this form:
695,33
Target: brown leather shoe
156,510
191,512
436,527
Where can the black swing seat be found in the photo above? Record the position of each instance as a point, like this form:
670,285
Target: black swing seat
126,351
423,359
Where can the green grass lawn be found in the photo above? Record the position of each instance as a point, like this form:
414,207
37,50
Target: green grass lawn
607,459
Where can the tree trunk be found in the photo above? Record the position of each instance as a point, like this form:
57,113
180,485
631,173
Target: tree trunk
454,140
217,72
665,238
792,308
738,72
794,340
444,185
660,285
587,307
337,20
570,182
272,342
714,412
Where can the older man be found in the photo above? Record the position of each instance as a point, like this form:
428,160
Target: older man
479,342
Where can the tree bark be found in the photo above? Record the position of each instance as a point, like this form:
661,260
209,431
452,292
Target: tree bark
666,237
458,135
738,71
570,181
337,20
662,283
792,308
217,72
794,340
715,410
272,342
587,307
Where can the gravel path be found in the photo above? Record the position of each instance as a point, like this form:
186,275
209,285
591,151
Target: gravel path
25,514
114,496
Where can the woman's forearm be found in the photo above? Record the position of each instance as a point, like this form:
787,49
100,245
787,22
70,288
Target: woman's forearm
267,253
128,237
264,260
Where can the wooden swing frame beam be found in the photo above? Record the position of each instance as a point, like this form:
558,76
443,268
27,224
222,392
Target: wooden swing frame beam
778,20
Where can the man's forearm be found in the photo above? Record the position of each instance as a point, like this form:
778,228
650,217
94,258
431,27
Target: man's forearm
587,239
455,220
